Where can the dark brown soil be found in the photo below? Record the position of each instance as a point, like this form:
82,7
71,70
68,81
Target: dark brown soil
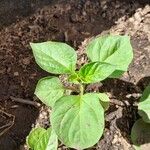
71,22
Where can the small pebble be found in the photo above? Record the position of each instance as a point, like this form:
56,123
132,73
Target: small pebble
16,73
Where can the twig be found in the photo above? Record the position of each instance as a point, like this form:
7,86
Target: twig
5,130
7,114
6,125
9,125
25,101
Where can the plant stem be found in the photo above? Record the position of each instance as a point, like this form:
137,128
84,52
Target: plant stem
24,101
81,89
72,88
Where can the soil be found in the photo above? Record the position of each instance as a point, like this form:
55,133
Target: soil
73,22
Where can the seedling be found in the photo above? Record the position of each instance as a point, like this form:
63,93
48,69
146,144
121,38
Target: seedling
41,139
78,120
140,133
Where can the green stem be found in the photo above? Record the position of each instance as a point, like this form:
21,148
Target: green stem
81,89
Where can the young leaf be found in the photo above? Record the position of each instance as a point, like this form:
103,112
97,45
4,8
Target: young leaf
78,120
34,137
48,141
144,105
112,49
48,90
74,78
55,57
95,72
140,135
104,100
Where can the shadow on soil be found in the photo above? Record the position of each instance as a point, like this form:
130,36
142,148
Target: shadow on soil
127,93
11,11
25,116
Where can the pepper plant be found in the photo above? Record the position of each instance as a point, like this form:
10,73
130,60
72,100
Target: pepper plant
77,120
140,133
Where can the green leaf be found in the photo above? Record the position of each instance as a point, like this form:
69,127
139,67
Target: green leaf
48,141
104,100
78,120
144,105
74,78
140,135
116,74
112,49
55,57
48,90
34,137
95,72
